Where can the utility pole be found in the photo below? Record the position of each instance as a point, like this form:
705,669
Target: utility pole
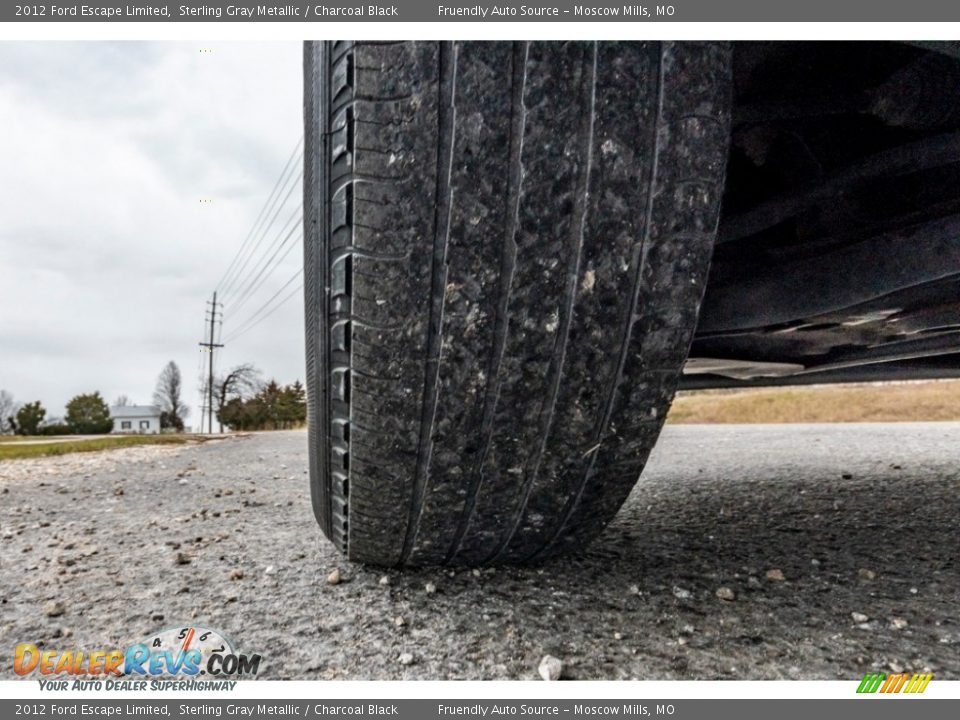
210,345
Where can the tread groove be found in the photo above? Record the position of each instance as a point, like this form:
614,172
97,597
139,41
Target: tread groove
638,262
508,262
588,92
446,110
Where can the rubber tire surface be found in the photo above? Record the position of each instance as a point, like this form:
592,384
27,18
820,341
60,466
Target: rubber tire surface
506,246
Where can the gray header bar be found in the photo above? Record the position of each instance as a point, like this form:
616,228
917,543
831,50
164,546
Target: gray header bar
874,708
481,11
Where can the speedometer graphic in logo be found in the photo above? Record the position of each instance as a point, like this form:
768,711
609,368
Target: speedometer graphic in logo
178,641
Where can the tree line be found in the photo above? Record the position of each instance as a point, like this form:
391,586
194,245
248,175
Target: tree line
89,414
242,401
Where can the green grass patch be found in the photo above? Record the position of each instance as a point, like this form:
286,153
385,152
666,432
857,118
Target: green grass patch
9,450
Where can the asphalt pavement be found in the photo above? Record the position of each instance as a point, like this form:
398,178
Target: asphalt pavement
744,552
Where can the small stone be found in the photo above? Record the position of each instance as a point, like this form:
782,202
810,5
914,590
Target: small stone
680,594
754,582
815,562
405,658
181,559
430,588
553,322
270,570
898,623
118,491
859,617
634,589
54,608
550,668
776,575
589,277
384,580
157,617
914,591
726,594
617,636
865,574
334,577
236,574
847,476
399,621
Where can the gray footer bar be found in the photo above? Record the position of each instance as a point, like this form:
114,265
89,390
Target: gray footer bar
874,707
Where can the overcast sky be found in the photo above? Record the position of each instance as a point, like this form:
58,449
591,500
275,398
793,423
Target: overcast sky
107,253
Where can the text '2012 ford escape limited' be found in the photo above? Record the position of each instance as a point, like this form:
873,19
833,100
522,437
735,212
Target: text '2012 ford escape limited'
516,252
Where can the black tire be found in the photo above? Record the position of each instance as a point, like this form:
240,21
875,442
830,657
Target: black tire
506,246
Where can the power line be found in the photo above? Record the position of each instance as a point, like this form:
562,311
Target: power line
261,215
260,278
253,320
278,306
230,273
254,263
243,274
232,284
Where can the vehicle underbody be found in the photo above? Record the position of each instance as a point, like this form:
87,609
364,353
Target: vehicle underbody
838,254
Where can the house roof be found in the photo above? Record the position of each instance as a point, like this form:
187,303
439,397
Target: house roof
127,411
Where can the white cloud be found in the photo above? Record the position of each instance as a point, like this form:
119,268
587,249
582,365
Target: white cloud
107,254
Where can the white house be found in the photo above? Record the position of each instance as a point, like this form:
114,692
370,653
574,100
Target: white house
136,419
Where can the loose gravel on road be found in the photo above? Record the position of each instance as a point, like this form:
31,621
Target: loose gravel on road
746,552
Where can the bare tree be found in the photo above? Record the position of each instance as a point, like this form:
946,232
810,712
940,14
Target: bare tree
8,412
168,397
241,382
122,401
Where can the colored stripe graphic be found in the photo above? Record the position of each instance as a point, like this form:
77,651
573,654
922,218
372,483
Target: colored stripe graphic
897,682
918,683
871,683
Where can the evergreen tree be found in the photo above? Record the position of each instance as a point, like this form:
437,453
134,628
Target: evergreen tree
29,418
88,415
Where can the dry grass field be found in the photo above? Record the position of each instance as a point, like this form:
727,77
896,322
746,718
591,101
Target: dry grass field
868,402
14,447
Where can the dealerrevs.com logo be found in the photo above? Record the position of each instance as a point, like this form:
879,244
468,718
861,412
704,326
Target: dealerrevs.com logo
174,658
